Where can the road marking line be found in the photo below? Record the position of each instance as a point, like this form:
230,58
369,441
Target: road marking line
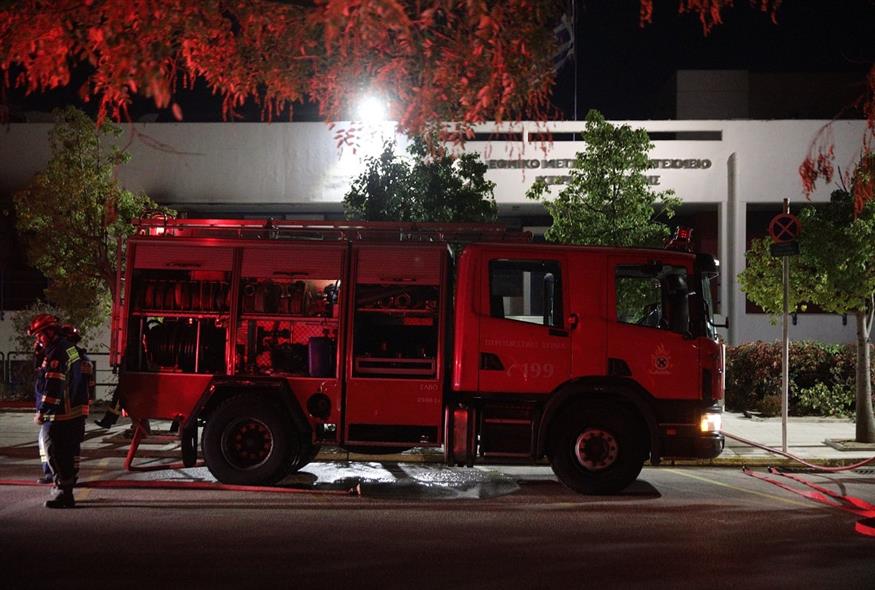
738,489
101,466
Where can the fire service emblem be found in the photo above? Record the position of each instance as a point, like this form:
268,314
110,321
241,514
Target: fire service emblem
660,361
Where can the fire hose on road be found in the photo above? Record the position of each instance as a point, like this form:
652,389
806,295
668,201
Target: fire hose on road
798,459
858,507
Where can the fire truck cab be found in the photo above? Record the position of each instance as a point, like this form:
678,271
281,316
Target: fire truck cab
277,338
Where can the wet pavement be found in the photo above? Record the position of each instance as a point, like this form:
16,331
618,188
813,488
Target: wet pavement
415,474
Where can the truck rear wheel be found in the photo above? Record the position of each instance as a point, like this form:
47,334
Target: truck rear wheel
597,449
305,456
248,440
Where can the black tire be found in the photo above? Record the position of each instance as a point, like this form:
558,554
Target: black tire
189,446
308,453
249,440
597,449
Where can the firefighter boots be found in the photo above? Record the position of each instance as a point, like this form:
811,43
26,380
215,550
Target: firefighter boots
62,499
108,421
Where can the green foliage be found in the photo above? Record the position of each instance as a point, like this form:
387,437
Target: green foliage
72,214
823,400
835,268
435,187
763,283
608,201
821,378
841,249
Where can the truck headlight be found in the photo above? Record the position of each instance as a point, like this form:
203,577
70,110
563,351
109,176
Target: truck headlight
711,423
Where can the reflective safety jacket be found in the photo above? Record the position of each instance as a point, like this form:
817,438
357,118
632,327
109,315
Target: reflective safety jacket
65,394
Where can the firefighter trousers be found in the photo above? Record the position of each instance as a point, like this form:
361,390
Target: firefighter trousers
63,445
43,447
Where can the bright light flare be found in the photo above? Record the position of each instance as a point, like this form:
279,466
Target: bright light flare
372,109
711,423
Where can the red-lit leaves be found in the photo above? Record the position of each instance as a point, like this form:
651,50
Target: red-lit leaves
437,60
710,12
819,164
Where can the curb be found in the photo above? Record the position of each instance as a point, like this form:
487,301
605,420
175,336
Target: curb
16,406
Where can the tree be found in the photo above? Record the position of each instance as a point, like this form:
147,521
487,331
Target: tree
836,271
607,200
436,60
72,214
435,187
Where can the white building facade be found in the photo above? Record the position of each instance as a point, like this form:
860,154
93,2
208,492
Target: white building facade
733,174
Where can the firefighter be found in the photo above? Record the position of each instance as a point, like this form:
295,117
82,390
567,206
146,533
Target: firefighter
63,406
38,384
72,335
110,417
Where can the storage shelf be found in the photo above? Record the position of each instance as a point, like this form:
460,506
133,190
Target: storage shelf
165,313
369,365
402,310
287,317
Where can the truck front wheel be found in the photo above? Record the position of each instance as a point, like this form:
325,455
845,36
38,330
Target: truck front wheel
248,441
597,449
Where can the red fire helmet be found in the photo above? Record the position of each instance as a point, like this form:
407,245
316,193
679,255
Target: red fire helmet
41,322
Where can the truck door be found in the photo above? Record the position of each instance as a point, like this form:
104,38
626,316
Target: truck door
650,339
395,373
524,342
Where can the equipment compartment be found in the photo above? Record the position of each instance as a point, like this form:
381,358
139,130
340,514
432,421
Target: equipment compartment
396,331
289,347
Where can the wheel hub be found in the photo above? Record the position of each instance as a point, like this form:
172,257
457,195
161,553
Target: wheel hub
596,449
247,443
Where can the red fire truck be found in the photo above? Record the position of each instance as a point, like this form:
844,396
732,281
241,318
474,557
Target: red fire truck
279,337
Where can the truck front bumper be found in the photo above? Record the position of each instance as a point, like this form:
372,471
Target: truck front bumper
687,442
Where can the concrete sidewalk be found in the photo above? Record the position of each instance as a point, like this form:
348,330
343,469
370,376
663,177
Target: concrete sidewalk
816,440
822,441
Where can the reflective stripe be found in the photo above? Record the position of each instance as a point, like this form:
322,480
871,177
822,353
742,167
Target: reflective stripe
75,412
52,401
72,355
58,376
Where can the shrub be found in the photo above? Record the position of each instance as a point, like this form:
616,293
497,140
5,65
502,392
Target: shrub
821,378
770,405
823,400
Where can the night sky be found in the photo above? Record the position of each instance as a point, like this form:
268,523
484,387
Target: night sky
624,70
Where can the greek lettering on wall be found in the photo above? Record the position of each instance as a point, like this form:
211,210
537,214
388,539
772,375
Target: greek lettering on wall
566,163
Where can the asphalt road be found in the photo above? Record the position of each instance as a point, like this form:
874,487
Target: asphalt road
417,526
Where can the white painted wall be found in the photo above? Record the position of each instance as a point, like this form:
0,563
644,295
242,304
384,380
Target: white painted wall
298,167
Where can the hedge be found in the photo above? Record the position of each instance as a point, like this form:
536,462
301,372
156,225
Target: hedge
821,378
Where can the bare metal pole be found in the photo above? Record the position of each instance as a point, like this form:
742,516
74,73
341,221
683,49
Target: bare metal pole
574,52
785,355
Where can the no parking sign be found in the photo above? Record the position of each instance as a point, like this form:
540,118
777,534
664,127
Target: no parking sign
784,229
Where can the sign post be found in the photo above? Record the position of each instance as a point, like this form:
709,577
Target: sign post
784,229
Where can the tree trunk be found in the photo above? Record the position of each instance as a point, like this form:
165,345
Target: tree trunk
865,419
